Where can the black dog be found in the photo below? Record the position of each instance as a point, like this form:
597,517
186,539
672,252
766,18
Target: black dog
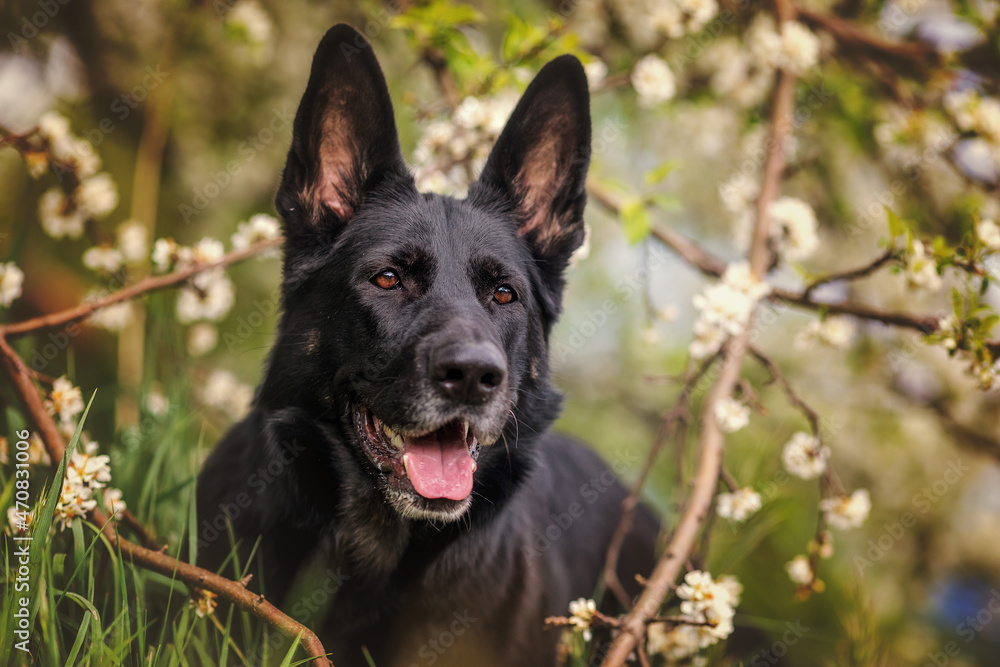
399,436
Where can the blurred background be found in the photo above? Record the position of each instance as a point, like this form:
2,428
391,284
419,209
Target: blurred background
189,108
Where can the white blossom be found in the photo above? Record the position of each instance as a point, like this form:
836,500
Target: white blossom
595,70
210,296
208,250
156,402
165,254
836,331
739,505
799,570
921,269
793,227
804,457
653,81
707,602
104,259
65,400
11,282
582,613
731,415
133,241
97,195
202,339
114,317
60,216
249,21
260,227
799,47
113,501
223,391
846,512
989,233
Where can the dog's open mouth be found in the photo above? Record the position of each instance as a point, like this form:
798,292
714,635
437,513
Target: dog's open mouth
437,464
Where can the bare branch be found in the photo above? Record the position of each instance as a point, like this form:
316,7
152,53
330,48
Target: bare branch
141,288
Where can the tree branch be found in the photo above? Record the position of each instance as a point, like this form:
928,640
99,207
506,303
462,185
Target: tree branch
661,581
141,288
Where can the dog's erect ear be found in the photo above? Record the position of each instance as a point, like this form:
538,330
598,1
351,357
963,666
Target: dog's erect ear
344,140
540,160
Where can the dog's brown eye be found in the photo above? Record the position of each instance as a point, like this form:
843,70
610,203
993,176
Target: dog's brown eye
386,279
504,294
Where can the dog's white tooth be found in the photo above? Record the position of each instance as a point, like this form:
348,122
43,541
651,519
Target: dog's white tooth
465,429
397,441
388,431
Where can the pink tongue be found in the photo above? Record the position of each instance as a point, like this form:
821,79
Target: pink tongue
439,469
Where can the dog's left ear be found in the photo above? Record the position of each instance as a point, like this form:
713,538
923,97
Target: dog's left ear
344,140
540,160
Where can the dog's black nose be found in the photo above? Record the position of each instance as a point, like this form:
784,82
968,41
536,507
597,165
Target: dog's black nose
468,372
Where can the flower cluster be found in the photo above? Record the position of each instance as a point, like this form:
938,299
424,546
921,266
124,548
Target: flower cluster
846,512
132,247
209,295
93,196
259,228
709,602
248,23
739,505
451,152
87,474
972,112
792,46
581,614
804,457
725,308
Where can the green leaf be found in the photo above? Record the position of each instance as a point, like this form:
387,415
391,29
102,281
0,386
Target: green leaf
635,220
666,202
896,225
957,304
659,172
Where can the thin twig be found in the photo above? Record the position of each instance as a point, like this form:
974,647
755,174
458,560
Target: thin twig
681,412
141,288
852,274
777,376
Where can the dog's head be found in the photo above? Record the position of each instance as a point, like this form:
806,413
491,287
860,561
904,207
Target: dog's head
417,324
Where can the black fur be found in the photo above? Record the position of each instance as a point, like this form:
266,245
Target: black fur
471,584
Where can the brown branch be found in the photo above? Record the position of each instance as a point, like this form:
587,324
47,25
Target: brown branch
681,412
661,581
194,577
852,274
141,288
777,376
910,55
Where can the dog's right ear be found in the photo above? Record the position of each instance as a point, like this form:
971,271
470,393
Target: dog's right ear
344,140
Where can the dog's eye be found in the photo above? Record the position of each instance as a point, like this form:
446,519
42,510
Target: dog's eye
504,295
386,279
